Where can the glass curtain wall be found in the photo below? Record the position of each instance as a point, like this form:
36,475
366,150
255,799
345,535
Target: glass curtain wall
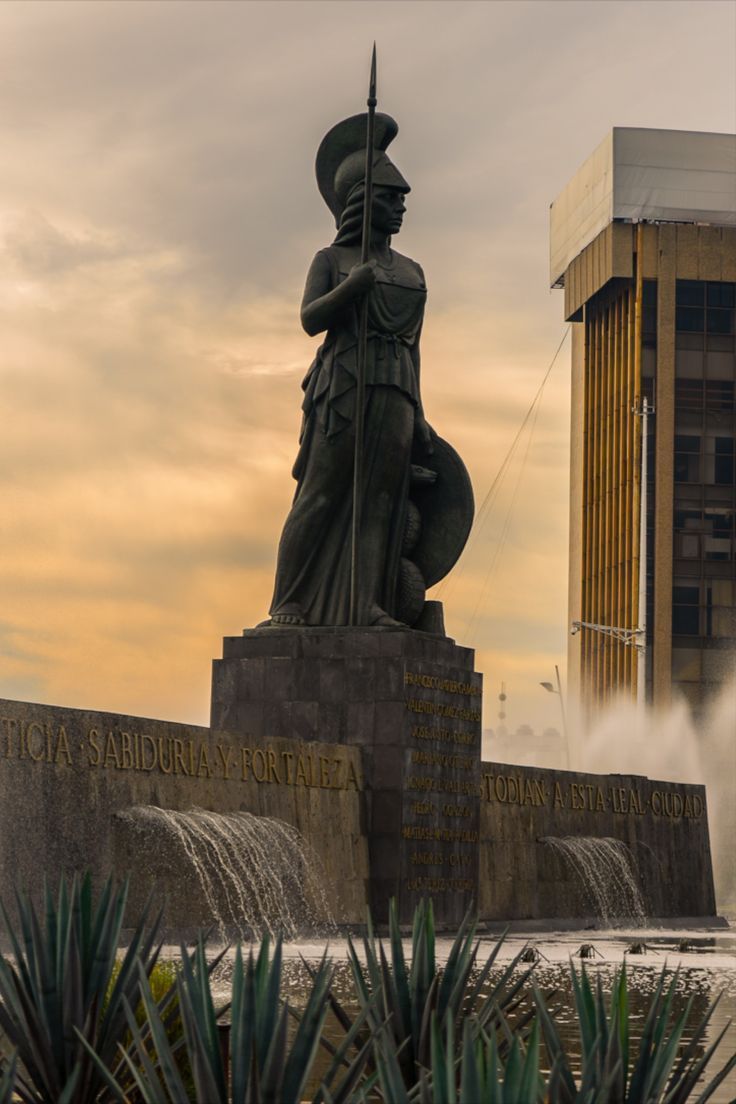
704,538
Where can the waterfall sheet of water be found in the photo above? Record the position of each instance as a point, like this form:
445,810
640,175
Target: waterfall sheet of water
607,871
257,874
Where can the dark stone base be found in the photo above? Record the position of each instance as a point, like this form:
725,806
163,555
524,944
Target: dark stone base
412,702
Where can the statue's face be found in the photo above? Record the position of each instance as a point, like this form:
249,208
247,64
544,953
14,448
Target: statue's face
388,209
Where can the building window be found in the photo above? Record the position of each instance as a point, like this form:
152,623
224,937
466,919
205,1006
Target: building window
723,470
705,307
687,458
649,314
685,610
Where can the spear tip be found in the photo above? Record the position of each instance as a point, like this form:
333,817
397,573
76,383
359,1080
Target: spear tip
372,83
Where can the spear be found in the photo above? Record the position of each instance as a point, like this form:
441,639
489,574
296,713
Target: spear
362,354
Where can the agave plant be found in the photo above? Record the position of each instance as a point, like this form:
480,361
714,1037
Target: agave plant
408,999
662,1072
266,1066
474,1075
53,994
8,1067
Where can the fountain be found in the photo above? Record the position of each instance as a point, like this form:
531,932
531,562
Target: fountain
607,872
257,874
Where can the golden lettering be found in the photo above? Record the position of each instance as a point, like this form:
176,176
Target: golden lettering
166,768
440,885
446,835
203,768
62,746
272,772
439,785
635,802
428,858
259,756
150,743
35,728
447,686
178,746
438,709
443,735
126,750
301,774
456,810
245,762
225,758
95,756
559,801
111,752
10,725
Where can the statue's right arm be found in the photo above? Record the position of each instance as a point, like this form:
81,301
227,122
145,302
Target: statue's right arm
322,303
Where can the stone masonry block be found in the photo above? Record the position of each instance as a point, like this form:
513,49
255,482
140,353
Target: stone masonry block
330,685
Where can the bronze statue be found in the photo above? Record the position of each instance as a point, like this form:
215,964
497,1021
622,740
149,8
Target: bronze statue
313,574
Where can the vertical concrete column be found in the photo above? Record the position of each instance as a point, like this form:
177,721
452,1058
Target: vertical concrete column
576,566
664,466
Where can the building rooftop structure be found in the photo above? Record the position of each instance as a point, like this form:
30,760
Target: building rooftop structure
640,174
643,241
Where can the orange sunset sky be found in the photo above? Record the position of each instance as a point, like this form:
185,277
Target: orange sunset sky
158,212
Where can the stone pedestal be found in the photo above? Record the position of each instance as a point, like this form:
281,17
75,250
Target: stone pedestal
412,702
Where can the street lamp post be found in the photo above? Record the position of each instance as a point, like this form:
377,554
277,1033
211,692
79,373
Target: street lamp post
550,689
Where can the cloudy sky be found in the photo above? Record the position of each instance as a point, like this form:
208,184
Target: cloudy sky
158,212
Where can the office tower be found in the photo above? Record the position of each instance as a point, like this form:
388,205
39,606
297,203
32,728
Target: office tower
643,240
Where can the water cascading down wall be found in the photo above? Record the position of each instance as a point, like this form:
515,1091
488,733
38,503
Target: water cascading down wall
258,823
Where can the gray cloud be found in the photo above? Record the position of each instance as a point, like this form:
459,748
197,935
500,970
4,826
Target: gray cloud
157,214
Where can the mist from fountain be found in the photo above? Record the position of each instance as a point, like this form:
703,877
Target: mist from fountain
670,744
257,874
607,873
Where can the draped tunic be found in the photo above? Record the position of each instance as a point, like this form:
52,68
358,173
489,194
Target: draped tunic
313,568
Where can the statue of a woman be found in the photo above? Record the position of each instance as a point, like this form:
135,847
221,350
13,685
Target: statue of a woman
313,569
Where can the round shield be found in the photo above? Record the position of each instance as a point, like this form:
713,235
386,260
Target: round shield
446,507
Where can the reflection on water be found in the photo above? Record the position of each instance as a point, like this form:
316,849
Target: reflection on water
706,961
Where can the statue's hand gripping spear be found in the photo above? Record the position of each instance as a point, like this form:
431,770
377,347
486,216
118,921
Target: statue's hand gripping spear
362,354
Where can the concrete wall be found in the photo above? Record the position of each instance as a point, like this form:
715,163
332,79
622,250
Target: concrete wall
664,825
66,776
66,773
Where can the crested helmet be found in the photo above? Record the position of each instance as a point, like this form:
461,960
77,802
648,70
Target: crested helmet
340,163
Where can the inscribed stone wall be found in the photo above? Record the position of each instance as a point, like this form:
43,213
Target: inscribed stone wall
66,773
664,825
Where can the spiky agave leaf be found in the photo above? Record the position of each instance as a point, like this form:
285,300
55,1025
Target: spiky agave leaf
8,1070
267,1067
54,991
658,1075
